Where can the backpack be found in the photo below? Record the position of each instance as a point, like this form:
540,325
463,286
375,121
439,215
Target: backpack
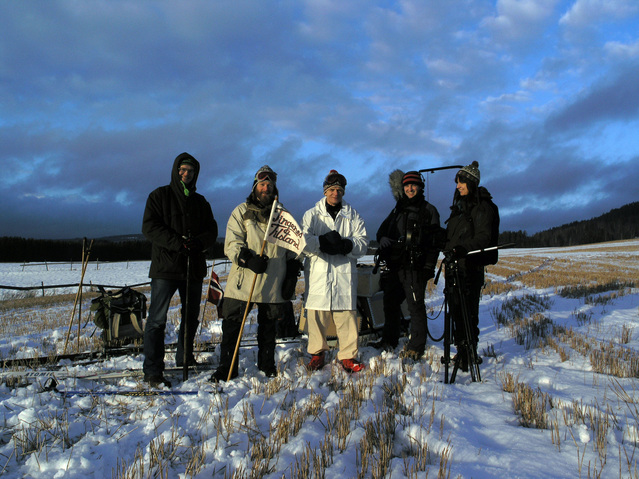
120,315
488,257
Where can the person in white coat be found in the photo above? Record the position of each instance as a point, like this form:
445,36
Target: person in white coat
335,237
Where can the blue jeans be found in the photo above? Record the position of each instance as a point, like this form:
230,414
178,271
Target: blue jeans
162,290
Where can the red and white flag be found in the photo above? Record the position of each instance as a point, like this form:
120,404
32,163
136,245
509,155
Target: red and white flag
215,293
284,231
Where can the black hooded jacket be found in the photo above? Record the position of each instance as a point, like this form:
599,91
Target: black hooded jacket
411,225
470,223
171,216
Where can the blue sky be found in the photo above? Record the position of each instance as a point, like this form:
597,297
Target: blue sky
98,97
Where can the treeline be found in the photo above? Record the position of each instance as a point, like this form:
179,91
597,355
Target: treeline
19,250
618,224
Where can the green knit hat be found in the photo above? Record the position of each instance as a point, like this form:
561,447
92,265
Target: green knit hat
187,161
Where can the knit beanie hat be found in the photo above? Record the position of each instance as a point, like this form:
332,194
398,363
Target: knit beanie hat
334,179
412,178
265,173
187,161
470,172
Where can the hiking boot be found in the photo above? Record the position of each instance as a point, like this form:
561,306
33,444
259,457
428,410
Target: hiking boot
270,373
155,380
411,354
352,365
461,359
317,362
221,375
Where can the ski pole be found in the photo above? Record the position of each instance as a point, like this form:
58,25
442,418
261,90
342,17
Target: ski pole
85,262
185,319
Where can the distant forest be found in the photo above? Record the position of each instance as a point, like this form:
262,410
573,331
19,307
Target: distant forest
618,224
126,248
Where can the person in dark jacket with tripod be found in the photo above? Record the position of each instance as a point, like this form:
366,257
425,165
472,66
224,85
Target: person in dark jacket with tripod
179,224
469,228
407,248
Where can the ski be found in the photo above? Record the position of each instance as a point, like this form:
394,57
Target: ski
93,375
73,357
133,393
97,356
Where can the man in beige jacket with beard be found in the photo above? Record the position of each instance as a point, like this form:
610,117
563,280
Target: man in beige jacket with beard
245,233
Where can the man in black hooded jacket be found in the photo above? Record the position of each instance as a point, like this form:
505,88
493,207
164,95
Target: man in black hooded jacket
407,247
180,225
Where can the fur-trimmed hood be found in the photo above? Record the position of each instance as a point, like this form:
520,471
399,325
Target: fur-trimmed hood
395,182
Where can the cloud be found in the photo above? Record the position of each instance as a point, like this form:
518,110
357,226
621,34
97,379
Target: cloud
615,99
586,13
520,19
99,98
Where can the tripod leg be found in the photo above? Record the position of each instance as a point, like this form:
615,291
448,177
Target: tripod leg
471,351
453,375
447,335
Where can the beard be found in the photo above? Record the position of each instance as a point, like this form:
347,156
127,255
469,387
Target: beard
265,198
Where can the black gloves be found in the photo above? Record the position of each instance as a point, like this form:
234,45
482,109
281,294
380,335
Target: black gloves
459,252
347,246
191,246
249,259
330,243
385,242
333,243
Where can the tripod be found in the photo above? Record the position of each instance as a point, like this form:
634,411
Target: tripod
454,292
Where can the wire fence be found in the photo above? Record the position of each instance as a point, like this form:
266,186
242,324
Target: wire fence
44,287
90,285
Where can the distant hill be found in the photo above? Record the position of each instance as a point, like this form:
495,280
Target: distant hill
618,224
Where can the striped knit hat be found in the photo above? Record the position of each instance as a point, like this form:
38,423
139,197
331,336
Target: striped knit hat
412,178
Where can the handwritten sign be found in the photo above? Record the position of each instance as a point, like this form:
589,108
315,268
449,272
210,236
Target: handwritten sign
285,232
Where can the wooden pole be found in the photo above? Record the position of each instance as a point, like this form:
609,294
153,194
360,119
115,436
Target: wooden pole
85,262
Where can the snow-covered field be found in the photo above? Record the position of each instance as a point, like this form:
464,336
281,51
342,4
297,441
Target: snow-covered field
567,364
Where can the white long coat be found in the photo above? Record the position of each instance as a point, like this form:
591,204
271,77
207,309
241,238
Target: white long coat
331,280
